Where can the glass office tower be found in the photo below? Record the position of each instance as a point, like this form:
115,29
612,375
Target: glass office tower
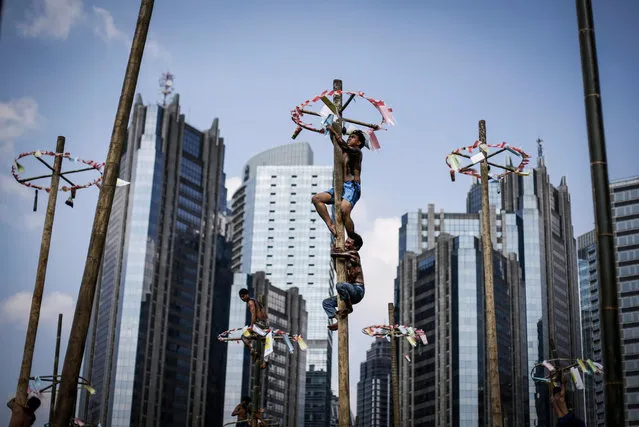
277,230
148,349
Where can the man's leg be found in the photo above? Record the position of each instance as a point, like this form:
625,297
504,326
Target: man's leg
247,342
349,199
319,201
330,307
343,289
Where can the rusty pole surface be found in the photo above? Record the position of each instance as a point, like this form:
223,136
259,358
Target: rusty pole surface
82,316
491,327
606,261
394,366
56,359
41,274
344,405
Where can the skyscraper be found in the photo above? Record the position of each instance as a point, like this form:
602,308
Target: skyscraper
625,212
149,345
440,290
276,230
590,325
547,256
534,224
282,383
374,389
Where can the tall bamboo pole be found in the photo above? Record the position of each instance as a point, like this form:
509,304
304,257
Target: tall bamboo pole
41,274
344,405
394,367
491,327
56,359
79,329
606,263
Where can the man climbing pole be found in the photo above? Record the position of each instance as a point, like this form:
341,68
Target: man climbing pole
259,319
352,152
242,412
352,291
23,416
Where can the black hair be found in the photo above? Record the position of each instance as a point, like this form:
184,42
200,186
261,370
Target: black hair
33,403
360,136
246,399
244,291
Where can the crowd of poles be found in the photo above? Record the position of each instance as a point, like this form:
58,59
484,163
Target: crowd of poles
611,341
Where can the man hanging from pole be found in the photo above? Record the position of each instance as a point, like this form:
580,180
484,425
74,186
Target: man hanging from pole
352,291
259,322
352,151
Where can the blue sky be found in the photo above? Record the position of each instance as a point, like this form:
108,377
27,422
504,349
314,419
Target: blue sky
441,66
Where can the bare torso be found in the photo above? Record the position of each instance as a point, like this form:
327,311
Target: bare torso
352,166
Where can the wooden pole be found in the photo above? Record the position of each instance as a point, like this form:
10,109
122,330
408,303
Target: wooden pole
56,359
41,274
611,342
342,334
257,391
82,316
394,366
491,329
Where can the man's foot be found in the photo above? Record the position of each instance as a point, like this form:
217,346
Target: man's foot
348,309
333,326
263,365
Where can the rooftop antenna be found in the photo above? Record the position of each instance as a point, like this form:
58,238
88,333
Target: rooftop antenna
166,86
540,148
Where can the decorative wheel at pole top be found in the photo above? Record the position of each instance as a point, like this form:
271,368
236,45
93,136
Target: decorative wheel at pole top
17,169
258,333
454,163
329,112
552,371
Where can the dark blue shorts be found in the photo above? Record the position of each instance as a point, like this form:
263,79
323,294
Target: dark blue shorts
352,192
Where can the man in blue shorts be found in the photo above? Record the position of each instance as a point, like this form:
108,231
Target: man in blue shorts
352,151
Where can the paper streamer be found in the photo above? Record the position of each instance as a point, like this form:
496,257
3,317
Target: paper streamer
259,331
301,343
288,343
576,378
407,357
268,345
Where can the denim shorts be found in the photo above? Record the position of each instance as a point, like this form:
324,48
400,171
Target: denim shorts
352,192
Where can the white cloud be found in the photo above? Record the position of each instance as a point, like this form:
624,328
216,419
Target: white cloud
15,309
106,28
108,31
17,117
52,18
379,263
232,184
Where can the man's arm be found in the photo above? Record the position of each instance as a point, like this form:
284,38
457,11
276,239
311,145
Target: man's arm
337,138
235,411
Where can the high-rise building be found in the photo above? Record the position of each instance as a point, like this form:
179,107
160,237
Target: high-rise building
282,382
149,346
624,195
547,256
590,325
277,230
534,223
220,322
374,389
441,291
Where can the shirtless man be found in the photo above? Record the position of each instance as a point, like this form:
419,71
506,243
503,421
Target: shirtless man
242,412
258,318
352,151
352,291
